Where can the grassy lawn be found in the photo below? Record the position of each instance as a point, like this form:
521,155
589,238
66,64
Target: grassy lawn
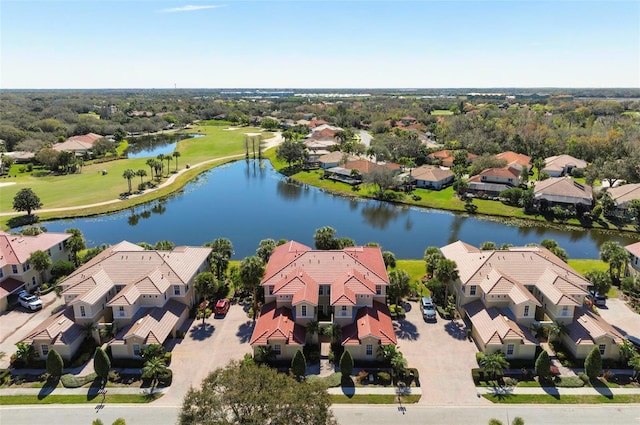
563,399
583,266
373,399
91,186
441,112
77,399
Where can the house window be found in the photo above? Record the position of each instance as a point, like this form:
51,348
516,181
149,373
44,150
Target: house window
121,310
136,349
602,348
1,273
378,289
25,267
33,280
303,309
328,291
565,310
14,269
270,289
60,246
526,310
321,290
176,289
119,288
369,350
277,349
45,349
82,311
510,348
343,310
49,252
472,290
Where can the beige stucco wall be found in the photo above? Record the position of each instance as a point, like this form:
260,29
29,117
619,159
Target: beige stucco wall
358,352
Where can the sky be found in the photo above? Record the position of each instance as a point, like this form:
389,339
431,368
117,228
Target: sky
57,44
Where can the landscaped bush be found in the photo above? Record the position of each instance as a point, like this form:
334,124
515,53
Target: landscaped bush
5,376
165,378
72,381
570,382
478,374
583,377
333,380
384,378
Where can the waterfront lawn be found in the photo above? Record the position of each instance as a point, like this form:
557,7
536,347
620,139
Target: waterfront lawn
91,186
583,266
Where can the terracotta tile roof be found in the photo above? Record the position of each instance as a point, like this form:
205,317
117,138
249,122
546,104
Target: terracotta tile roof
447,156
373,322
91,289
559,162
90,138
497,283
9,286
513,157
503,173
316,123
523,266
625,193
587,327
58,328
155,325
277,323
430,173
365,166
359,269
16,249
300,285
634,249
495,328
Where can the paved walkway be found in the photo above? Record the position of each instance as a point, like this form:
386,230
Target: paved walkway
274,141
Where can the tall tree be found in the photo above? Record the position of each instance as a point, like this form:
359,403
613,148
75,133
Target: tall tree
346,364
446,272
75,243
206,285
141,173
101,364
161,158
151,163
26,200
265,249
251,272
221,252
129,174
399,284
389,259
54,364
291,152
431,257
600,280
324,238
176,155
40,261
543,365
616,256
298,365
274,398
593,363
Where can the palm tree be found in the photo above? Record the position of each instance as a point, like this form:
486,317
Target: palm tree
431,257
160,159
151,163
265,353
157,166
627,349
40,261
613,253
168,158
494,363
387,352
335,331
313,329
153,369
24,352
221,252
446,272
399,284
398,363
176,155
75,243
557,330
141,173
206,285
129,174
251,272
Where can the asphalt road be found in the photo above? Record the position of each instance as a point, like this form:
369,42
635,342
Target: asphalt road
346,414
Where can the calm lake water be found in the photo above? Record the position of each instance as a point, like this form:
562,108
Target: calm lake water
152,146
247,201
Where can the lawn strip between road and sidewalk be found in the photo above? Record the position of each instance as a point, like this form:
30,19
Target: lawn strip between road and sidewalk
77,399
373,399
561,399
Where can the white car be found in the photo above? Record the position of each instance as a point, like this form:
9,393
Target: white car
28,301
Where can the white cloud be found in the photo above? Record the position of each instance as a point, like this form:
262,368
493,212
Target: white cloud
188,8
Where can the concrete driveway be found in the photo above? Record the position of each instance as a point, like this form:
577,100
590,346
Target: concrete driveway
205,348
618,313
16,324
443,356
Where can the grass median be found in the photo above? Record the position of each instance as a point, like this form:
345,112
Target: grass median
561,399
77,399
373,399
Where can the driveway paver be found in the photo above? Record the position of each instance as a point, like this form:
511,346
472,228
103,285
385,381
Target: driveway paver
442,354
618,313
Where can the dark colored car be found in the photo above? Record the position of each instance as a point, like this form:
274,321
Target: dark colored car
222,306
597,299
428,309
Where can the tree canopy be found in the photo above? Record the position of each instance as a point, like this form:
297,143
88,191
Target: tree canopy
245,393
26,200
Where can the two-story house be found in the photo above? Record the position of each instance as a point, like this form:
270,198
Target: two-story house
144,296
504,294
492,181
16,273
302,285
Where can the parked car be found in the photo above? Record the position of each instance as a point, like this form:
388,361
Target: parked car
428,309
28,301
597,299
222,306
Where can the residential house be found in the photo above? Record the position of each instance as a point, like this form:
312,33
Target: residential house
16,273
364,166
332,159
60,332
144,296
504,294
430,177
559,165
446,157
78,144
347,287
622,196
492,181
563,191
634,259
516,160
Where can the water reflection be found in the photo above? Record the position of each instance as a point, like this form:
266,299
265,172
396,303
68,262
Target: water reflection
260,203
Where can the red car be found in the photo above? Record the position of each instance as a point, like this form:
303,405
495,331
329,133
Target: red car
222,306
